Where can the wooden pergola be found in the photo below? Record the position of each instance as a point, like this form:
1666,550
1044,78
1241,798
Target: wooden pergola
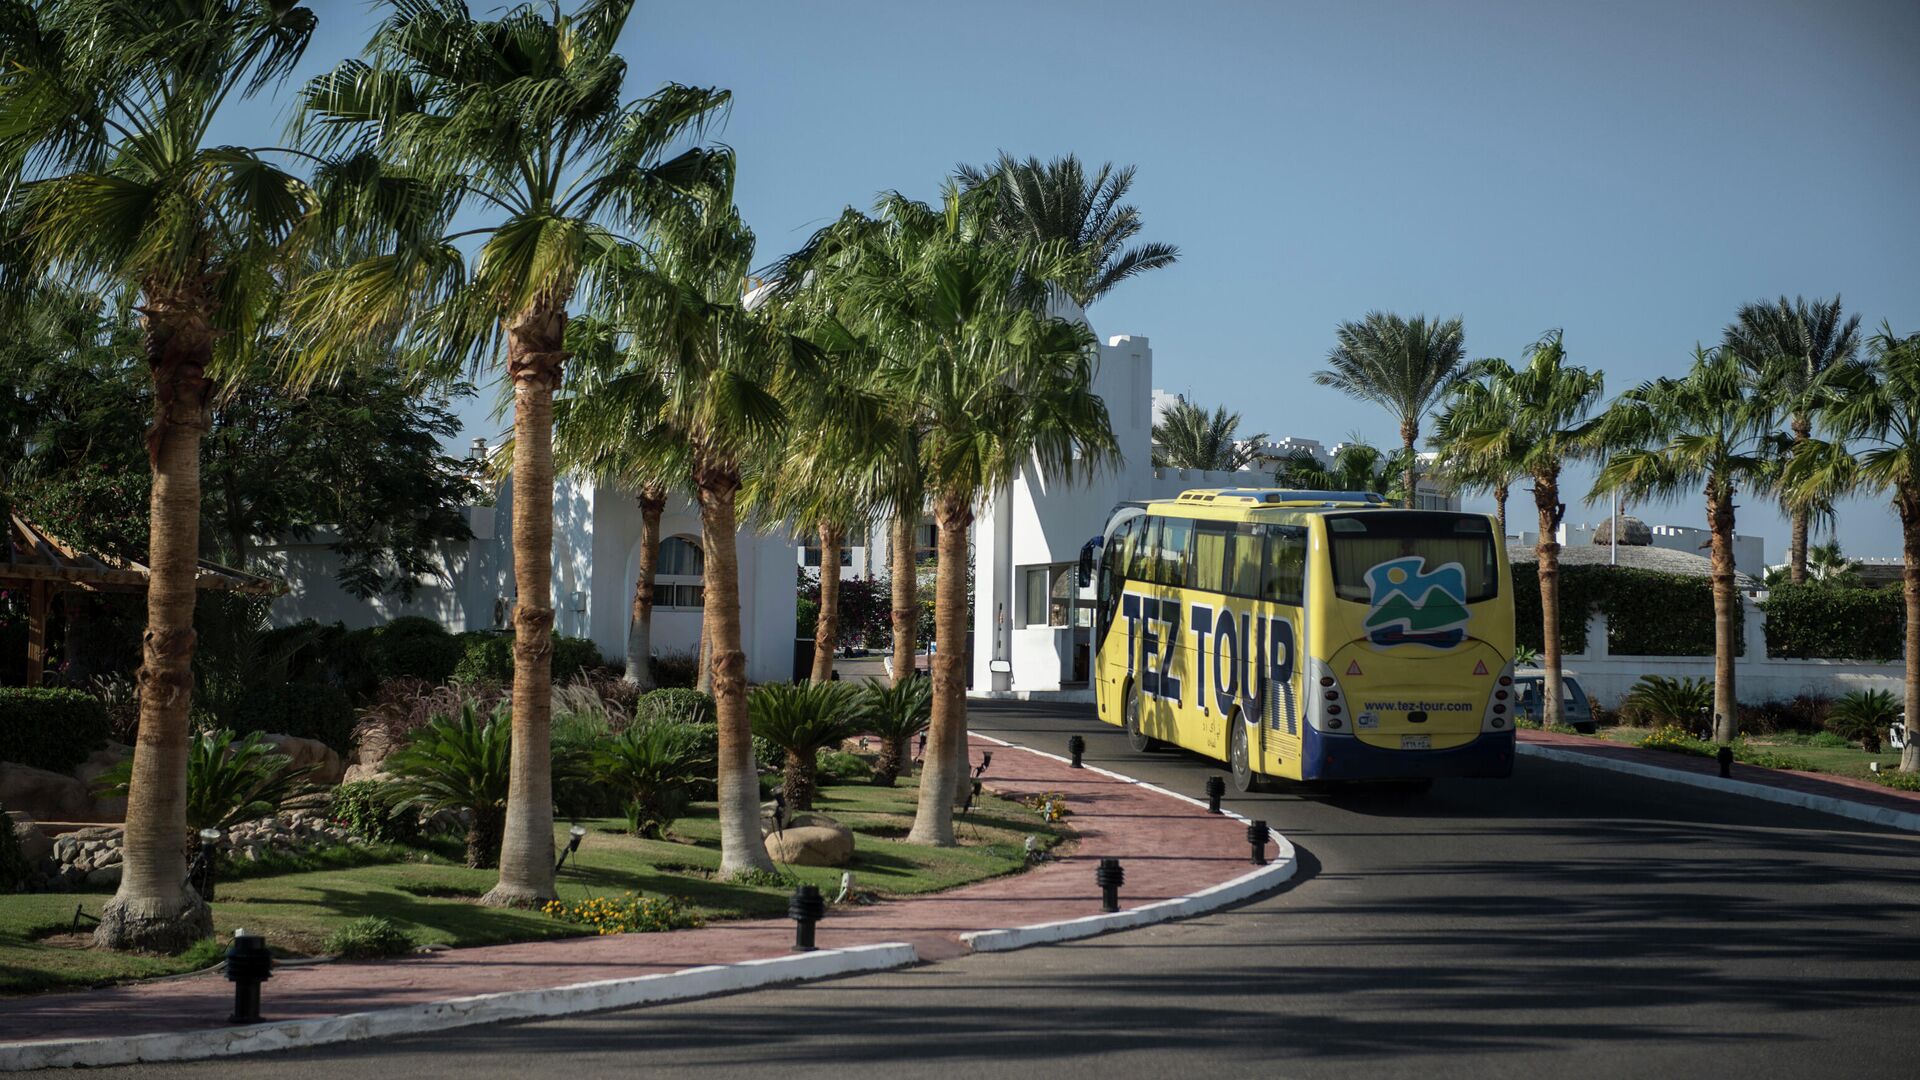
41,564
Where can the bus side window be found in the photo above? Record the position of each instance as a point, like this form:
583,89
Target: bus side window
1146,550
1212,541
1247,558
1286,566
1174,537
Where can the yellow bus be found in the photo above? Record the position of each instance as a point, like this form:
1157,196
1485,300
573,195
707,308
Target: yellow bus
1306,635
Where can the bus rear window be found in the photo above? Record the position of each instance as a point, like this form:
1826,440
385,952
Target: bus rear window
1361,542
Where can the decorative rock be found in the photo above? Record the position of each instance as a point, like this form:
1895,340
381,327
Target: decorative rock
48,796
103,808
306,752
812,845
357,772
105,875
34,844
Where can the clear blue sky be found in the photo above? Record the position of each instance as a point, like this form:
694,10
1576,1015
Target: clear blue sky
1630,172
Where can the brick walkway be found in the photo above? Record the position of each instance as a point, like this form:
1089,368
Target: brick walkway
1835,787
1169,848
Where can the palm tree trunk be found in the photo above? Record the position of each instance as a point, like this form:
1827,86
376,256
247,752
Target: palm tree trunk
906,600
1909,505
741,847
653,501
893,751
946,763
534,362
1500,506
1410,434
1798,515
703,658
797,780
154,908
1726,614
1546,497
826,627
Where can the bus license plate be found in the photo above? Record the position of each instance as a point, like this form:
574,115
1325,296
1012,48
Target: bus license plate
1416,742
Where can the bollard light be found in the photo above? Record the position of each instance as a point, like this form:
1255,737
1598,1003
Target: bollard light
201,874
806,908
248,965
574,836
986,759
1257,836
923,746
1216,788
1077,746
1109,877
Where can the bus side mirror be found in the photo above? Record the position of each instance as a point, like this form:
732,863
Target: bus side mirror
1086,561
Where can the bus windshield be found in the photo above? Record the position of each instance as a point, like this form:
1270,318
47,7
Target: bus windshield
1361,542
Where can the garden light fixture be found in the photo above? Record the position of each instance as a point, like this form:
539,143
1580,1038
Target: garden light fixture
1076,746
1216,789
1109,877
1257,836
574,836
200,874
248,965
805,909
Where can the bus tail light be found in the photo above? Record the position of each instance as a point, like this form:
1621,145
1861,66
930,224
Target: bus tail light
1323,692
1495,717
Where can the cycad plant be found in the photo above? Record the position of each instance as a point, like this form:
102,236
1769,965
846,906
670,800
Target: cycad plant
1403,365
1789,344
655,766
229,780
485,170
109,178
1711,430
894,715
1864,715
1662,701
801,720
1501,421
1871,413
461,764
1188,437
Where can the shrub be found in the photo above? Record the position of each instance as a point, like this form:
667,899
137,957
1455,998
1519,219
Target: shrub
404,706
1864,715
370,939
16,873
1657,699
573,656
800,720
894,715
1677,740
682,704
367,809
229,780
414,648
676,670
629,914
806,617
488,657
50,729
306,711
1823,621
654,765
841,767
1649,613
1899,781
460,764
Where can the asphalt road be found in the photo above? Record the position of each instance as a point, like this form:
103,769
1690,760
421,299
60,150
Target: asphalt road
1567,922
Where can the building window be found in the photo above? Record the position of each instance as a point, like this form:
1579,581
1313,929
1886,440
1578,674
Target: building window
680,580
1047,595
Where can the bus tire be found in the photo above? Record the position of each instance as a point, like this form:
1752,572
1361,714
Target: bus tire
1239,760
1139,740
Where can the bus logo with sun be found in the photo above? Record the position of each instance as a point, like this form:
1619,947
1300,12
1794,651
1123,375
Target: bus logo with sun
1411,605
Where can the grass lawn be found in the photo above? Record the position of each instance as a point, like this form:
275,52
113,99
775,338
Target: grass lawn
1840,760
430,894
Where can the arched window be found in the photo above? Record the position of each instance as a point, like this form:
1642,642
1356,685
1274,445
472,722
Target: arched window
680,580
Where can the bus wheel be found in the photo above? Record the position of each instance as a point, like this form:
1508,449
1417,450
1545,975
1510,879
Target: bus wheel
1139,740
1244,778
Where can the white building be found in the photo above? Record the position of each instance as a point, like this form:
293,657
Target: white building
596,561
1749,552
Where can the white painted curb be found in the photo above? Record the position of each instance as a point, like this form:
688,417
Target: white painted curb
1257,881
455,1012
1826,804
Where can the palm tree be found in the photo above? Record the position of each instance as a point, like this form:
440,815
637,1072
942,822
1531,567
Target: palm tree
1791,343
1871,412
1474,403
518,122
1188,438
988,382
1711,430
111,181
1529,422
1057,202
1403,365
1827,564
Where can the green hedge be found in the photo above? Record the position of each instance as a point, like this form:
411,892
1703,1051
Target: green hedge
50,729
303,710
488,657
1828,622
1648,613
